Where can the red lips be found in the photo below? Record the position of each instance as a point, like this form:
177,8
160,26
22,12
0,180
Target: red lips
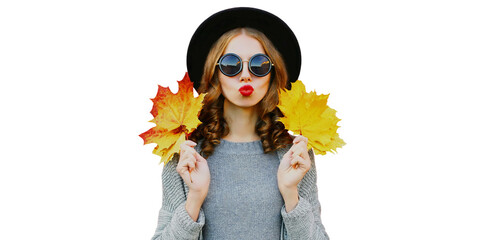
246,90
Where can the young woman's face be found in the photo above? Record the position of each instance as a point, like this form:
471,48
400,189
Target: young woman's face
245,47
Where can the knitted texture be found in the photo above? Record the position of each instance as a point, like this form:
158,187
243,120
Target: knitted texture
234,166
303,222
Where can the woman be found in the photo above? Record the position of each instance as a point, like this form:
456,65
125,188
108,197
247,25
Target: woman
241,175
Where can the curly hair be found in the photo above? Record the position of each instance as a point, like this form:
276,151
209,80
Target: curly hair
272,132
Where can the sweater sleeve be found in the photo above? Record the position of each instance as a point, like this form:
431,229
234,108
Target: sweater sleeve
304,221
174,222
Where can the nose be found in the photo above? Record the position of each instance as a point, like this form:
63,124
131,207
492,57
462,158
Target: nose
245,73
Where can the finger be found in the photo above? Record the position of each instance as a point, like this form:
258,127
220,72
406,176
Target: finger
299,149
296,151
182,170
302,141
187,143
184,156
305,162
186,161
187,177
191,164
292,149
300,138
199,158
190,143
305,154
302,153
286,158
296,161
299,162
289,154
185,148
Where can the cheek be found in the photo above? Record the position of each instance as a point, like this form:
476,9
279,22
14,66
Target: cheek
222,82
264,84
263,87
226,85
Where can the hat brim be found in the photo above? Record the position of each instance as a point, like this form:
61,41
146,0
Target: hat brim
221,22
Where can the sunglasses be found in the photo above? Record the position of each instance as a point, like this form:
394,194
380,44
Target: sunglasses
231,64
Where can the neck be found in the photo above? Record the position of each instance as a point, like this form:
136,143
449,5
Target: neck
241,122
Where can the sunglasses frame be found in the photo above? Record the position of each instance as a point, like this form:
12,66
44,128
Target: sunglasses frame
241,65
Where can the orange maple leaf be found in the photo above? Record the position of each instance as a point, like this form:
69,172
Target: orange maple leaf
308,114
175,116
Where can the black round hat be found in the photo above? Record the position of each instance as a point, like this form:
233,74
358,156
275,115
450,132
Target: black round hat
219,23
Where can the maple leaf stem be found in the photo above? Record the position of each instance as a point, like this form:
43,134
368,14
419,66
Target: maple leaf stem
296,165
189,171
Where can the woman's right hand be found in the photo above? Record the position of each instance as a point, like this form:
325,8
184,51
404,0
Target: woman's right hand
194,170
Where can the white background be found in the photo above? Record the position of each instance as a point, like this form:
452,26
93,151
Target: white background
409,79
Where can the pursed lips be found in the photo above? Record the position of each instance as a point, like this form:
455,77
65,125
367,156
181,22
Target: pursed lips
246,90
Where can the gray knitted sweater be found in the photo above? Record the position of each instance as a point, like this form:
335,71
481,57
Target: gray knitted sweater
174,222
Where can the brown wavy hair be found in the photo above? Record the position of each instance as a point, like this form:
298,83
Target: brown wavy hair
272,133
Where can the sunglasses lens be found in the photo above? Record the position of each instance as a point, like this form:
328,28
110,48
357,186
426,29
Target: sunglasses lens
260,65
230,65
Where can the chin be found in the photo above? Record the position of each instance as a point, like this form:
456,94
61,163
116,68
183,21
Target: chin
245,102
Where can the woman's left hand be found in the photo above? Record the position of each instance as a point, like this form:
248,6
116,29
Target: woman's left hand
294,165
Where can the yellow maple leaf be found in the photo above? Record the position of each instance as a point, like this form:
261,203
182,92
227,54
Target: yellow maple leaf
175,116
308,114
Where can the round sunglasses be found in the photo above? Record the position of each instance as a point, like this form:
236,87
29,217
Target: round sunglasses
231,64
